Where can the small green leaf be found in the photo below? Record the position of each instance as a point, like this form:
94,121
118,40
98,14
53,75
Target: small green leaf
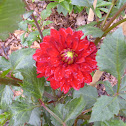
51,5
4,117
61,9
45,14
98,12
23,25
85,3
105,108
21,112
91,30
101,3
32,37
47,22
4,64
89,94
9,19
27,14
46,32
113,52
104,9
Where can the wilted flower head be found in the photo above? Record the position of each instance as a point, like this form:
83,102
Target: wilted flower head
66,59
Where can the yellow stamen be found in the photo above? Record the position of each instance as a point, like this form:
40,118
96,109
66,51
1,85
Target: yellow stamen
70,54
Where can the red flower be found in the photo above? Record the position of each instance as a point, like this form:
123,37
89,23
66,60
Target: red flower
66,59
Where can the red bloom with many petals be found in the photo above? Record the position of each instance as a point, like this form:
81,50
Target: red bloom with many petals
66,59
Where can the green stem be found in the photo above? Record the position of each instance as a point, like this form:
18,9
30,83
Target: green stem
114,17
52,113
109,29
107,15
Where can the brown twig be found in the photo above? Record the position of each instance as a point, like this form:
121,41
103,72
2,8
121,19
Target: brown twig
36,22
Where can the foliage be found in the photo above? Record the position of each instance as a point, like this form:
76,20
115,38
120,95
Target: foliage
26,99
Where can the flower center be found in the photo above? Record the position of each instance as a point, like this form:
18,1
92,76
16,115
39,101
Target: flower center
68,56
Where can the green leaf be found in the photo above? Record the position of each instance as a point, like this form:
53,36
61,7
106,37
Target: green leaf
27,14
105,108
98,12
23,25
10,16
46,32
101,3
89,94
31,84
85,3
32,37
113,123
4,64
6,96
69,111
4,117
22,58
61,9
47,22
104,10
113,52
45,13
35,118
108,87
91,30
51,5
21,112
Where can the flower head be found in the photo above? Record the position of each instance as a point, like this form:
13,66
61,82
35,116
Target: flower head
66,59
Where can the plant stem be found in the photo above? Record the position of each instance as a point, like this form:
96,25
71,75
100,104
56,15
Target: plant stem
36,22
9,81
107,15
109,29
114,17
52,113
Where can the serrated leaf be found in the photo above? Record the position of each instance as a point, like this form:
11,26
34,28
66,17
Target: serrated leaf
47,22
85,3
89,95
108,87
35,118
4,64
69,111
22,58
45,14
91,30
113,52
21,112
105,108
6,97
61,9
31,84
9,19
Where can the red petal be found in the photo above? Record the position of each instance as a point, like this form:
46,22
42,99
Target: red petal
46,38
65,88
87,77
69,40
41,75
68,72
58,73
44,46
75,43
78,34
83,45
54,84
52,52
76,85
54,33
69,30
85,67
79,76
80,60
37,54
